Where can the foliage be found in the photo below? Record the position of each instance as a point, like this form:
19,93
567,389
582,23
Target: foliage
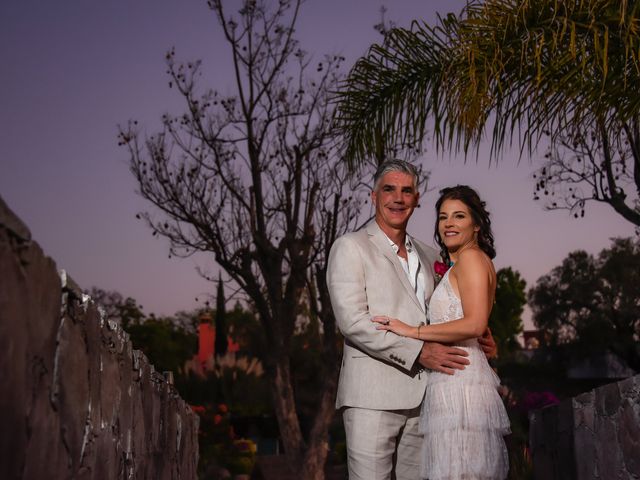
506,316
220,445
254,178
163,340
534,64
593,302
167,346
534,68
537,400
245,329
215,435
518,407
242,457
116,307
595,163
237,385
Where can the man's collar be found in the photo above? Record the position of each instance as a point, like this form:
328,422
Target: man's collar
407,243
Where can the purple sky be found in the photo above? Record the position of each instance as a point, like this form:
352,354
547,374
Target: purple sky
74,69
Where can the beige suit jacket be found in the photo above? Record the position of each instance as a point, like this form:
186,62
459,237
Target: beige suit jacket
365,279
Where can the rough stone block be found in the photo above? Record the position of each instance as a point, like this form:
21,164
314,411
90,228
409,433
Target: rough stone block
584,416
630,387
71,384
77,401
596,433
608,400
629,436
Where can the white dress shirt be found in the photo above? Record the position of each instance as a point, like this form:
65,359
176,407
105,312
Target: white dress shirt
412,267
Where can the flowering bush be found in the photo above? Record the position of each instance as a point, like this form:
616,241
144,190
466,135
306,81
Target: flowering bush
519,404
216,435
219,444
536,400
199,409
242,456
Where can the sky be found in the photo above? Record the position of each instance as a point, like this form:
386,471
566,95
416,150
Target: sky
72,70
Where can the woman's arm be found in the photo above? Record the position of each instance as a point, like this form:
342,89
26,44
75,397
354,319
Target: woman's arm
473,274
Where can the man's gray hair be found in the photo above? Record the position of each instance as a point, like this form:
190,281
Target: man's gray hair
395,166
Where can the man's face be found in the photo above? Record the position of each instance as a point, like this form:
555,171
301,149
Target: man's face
395,199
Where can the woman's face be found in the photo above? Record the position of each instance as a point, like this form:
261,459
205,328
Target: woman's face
455,225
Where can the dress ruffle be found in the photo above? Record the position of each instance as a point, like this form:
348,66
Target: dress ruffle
465,454
463,418
463,421
470,407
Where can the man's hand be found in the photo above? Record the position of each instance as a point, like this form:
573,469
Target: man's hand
442,358
488,344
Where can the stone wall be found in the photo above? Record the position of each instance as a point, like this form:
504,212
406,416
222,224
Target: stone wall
76,401
595,435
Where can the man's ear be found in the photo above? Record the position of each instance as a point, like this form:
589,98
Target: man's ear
373,197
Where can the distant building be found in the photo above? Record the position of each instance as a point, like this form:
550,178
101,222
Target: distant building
206,338
204,360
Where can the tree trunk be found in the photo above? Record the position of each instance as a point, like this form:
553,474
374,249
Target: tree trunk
315,457
286,413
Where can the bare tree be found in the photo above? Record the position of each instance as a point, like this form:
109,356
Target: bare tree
600,164
254,178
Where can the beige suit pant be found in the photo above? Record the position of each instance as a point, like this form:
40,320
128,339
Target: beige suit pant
382,444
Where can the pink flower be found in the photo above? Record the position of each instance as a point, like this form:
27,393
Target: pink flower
440,268
537,400
197,408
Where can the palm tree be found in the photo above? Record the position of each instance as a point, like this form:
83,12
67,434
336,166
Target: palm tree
524,67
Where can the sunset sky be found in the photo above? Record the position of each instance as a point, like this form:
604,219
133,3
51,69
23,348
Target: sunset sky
75,69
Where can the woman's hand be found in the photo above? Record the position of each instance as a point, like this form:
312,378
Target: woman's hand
394,325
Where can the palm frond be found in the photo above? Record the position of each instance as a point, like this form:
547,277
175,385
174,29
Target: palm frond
390,93
534,65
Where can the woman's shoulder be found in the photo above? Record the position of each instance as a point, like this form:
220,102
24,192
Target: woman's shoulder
474,259
472,254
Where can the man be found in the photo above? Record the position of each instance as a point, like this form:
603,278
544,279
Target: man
381,270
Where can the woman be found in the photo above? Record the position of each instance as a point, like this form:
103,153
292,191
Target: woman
463,418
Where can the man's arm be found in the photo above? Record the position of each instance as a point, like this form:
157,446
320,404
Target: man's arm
445,359
347,288
488,344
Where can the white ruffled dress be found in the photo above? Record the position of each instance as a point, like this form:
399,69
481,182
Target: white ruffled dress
463,418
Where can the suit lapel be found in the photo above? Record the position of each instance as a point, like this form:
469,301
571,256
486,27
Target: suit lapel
428,270
380,240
